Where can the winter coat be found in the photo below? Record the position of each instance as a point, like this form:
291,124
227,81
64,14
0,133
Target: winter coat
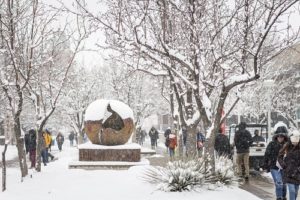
71,136
47,138
222,145
272,152
290,163
258,138
184,136
242,140
60,139
153,134
167,133
30,141
172,141
200,140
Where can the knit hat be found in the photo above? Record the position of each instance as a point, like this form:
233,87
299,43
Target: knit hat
295,137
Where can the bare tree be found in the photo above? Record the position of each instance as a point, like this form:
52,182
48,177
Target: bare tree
17,30
52,72
208,48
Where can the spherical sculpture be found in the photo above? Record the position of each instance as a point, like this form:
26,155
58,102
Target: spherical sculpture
108,122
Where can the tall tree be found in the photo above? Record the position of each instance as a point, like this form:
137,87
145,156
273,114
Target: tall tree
213,47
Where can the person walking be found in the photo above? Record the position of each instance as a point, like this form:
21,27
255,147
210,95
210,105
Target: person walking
167,134
71,138
153,134
60,140
289,161
222,144
172,144
200,142
30,143
47,139
270,159
242,142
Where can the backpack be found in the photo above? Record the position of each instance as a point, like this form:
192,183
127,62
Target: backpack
167,142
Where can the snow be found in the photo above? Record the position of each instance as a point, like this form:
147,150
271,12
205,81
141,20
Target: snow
89,145
279,124
109,163
238,78
97,110
57,181
11,152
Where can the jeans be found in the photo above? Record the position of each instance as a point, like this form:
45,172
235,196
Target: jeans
280,187
172,152
293,190
44,156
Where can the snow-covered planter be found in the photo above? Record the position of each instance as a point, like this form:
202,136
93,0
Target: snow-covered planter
178,175
186,175
108,122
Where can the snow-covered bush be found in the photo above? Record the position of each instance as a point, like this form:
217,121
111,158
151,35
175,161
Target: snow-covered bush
186,175
178,175
224,173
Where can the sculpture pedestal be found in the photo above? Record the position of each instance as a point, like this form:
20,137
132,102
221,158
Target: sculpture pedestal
125,153
93,156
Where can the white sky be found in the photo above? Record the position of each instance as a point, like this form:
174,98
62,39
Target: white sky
93,58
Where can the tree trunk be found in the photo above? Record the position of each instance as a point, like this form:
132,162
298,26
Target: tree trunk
217,122
191,141
39,149
4,169
20,147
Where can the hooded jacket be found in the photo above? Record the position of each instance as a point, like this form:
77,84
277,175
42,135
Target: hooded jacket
272,151
290,163
242,139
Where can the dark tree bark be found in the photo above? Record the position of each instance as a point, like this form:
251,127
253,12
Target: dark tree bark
4,168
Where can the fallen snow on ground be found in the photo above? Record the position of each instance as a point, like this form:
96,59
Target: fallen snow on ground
57,182
11,152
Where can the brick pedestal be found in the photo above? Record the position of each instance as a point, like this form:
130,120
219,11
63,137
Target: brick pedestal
124,153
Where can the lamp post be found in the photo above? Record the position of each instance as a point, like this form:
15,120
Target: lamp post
269,84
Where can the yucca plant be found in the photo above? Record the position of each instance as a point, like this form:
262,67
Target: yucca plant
224,172
179,175
188,174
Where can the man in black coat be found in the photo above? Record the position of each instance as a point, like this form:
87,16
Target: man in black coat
222,145
243,141
30,143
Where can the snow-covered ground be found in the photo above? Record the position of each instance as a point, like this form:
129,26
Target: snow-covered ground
57,182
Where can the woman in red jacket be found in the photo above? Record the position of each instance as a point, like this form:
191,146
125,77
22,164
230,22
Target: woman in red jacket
172,144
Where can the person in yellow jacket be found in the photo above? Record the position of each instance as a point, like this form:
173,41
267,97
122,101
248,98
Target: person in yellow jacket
47,142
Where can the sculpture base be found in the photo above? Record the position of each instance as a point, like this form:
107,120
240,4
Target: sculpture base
105,165
124,153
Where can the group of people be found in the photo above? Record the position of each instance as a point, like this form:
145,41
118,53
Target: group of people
140,136
46,142
222,145
281,159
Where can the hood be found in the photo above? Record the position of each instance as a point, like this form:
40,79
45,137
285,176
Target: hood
278,134
242,126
